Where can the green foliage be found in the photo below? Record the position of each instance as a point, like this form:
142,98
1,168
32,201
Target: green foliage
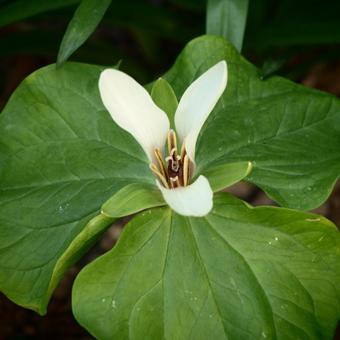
164,96
132,199
156,32
61,158
22,9
227,18
225,175
85,20
290,133
240,272
235,274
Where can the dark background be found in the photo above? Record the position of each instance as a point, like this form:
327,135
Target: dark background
297,39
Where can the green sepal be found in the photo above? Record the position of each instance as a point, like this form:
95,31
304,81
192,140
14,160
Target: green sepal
225,175
131,199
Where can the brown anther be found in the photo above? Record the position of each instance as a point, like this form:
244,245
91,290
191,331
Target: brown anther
183,151
161,164
174,172
155,170
172,141
186,170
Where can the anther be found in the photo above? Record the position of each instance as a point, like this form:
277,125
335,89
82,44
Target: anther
161,164
172,141
183,151
175,170
155,170
186,170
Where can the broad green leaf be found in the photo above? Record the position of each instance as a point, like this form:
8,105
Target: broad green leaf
21,9
85,20
61,158
290,133
235,274
225,175
131,199
228,18
75,250
271,66
164,97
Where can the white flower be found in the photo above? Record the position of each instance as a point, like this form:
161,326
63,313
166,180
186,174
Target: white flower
132,108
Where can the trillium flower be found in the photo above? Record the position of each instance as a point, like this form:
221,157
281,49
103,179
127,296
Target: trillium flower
132,108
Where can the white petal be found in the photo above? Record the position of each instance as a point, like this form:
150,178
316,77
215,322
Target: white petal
195,199
197,102
132,108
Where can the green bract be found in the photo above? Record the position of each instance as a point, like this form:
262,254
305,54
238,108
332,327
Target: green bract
238,273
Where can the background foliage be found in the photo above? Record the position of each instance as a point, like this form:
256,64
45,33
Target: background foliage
285,37
147,35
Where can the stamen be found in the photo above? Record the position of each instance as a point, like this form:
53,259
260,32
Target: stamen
161,164
155,170
183,151
175,171
172,141
186,170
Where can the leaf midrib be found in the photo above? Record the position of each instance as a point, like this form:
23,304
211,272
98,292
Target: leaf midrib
191,233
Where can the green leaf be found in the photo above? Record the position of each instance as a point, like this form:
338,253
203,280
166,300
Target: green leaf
131,199
235,274
85,20
61,158
225,175
227,18
271,66
21,9
290,133
164,97
75,250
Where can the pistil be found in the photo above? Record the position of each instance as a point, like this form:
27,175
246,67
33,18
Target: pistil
174,172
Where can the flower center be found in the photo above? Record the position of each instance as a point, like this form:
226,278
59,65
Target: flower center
174,170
